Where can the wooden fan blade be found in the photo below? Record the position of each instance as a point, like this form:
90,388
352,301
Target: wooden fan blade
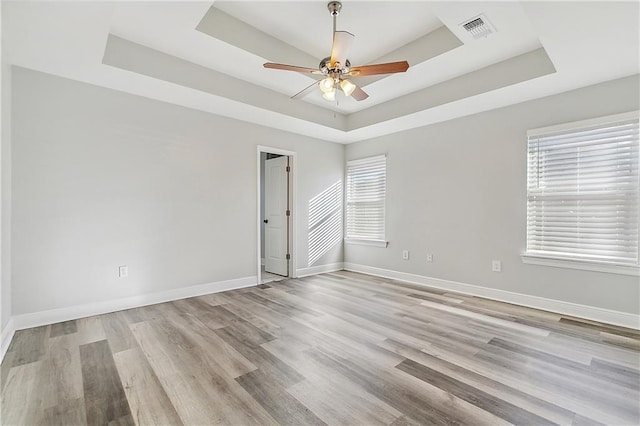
342,42
304,92
292,68
359,94
388,68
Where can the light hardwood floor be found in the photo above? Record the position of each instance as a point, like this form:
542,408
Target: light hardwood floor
340,348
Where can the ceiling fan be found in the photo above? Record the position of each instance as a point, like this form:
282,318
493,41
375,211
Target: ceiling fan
337,69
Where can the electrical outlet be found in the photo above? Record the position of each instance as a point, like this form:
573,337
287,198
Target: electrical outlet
496,266
429,257
123,271
405,254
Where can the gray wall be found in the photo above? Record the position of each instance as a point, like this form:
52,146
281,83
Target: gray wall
103,178
458,190
5,190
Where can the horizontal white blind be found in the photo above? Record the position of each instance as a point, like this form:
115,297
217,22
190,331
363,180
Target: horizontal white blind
366,190
583,192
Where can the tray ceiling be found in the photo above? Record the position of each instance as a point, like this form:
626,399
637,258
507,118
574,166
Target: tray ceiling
209,56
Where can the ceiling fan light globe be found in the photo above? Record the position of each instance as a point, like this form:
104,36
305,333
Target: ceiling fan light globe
330,95
327,85
347,87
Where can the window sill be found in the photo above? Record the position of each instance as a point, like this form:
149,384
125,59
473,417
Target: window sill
576,264
370,243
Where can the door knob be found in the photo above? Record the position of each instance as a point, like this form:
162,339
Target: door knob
266,220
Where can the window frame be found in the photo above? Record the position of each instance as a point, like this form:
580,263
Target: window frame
356,239
567,261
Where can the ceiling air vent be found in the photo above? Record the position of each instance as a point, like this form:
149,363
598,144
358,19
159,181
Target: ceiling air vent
478,27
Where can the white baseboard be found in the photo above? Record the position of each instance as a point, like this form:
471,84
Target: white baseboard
7,335
320,269
607,316
53,316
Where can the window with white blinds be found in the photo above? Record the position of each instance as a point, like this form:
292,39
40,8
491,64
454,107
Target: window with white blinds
583,189
366,189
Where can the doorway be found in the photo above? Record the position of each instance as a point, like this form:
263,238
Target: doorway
275,214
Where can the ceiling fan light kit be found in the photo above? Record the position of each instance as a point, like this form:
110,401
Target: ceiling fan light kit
327,84
330,95
347,87
336,68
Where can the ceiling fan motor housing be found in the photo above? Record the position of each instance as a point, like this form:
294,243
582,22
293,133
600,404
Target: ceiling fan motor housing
325,67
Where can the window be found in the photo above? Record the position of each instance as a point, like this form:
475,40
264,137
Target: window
366,188
582,193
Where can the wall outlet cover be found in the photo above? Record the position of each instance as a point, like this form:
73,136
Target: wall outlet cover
123,271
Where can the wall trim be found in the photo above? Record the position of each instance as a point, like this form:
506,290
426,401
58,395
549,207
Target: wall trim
53,316
320,269
7,335
607,316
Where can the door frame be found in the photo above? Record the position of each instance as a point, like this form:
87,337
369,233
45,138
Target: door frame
292,206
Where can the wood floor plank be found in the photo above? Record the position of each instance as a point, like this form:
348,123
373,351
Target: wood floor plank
21,398
241,310
332,332
66,371
5,367
579,420
423,403
619,374
568,375
68,412
532,342
116,329
600,372
188,397
352,405
484,400
506,393
200,390
105,400
337,348
61,328
90,330
597,349
143,313
602,328
283,407
29,345
212,348
147,399
487,318
549,386
284,374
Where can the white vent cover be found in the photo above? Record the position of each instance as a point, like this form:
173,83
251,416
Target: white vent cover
478,27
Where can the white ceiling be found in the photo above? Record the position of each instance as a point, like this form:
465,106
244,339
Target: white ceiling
209,56
380,27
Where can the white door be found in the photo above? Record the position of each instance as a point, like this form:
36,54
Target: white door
275,203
